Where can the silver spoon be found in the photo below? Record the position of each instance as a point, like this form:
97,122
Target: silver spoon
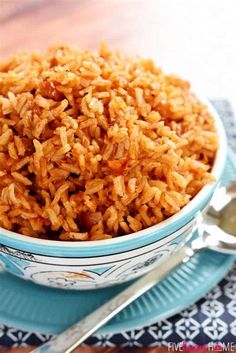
217,231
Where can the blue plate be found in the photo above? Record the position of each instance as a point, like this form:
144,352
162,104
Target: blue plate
40,309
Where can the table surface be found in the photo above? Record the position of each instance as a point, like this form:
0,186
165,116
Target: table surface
196,39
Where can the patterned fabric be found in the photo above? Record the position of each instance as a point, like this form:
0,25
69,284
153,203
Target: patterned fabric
212,319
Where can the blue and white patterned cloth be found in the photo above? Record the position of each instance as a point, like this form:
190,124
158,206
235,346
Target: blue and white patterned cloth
210,320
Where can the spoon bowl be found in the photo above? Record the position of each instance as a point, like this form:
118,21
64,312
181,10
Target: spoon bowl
217,228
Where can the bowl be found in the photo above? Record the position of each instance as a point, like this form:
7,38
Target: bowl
97,264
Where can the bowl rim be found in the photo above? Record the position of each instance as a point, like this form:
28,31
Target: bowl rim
217,170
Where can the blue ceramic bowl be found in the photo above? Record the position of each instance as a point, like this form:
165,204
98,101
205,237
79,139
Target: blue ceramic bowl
89,265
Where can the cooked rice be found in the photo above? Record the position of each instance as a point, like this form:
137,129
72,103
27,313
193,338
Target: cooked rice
93,146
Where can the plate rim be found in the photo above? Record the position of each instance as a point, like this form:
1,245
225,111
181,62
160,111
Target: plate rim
146,320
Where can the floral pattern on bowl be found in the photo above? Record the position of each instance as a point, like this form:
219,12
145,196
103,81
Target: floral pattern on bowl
90,273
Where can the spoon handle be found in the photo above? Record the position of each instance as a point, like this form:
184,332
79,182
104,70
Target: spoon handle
71,338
